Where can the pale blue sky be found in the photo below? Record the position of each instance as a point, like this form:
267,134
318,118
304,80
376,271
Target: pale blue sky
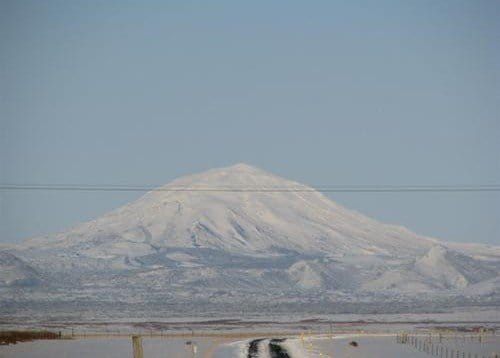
322,92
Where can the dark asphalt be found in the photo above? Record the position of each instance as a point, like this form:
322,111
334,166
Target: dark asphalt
275,348
253,348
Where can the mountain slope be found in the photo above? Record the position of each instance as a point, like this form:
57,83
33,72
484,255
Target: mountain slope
240,231
243,222
15,272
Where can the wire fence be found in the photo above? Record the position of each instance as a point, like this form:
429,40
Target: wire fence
449,345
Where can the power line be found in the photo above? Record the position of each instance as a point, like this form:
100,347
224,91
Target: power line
255,185
260,189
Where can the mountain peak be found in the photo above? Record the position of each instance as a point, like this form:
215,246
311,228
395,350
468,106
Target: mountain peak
241,167
239,175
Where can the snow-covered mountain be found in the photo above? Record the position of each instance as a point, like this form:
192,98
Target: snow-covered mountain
231,232
15,272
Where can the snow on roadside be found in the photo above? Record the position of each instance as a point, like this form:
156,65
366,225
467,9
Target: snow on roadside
238,349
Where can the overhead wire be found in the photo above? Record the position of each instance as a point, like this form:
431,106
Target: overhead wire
376,188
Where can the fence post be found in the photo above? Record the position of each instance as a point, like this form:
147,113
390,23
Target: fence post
137,347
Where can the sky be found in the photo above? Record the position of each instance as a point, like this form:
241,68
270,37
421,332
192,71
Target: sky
323,92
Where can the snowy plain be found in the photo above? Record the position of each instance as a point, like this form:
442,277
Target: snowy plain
314,346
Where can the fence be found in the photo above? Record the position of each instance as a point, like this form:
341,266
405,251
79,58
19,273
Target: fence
435,347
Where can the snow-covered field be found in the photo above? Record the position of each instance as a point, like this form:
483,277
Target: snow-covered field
381,346
160,322
112,348
309,346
